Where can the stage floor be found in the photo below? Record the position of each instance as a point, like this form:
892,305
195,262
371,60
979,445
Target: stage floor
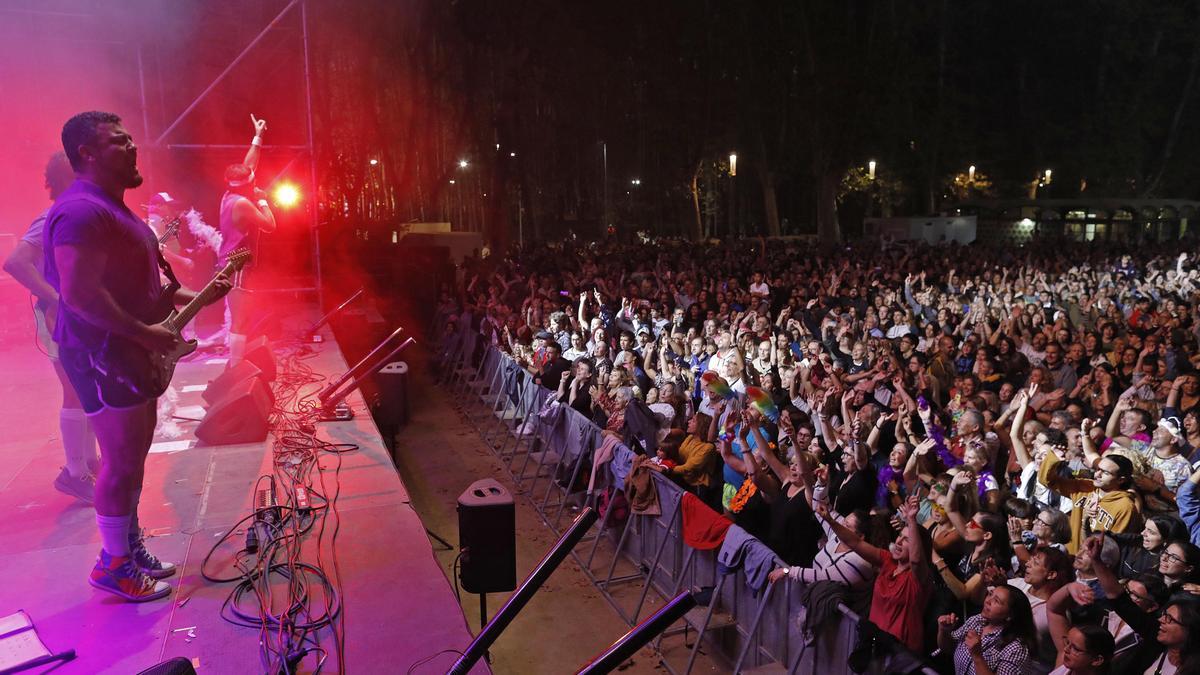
399,605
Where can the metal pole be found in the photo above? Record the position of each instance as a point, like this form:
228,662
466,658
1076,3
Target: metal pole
312,160
638,637
142,93
604,150
258,38
524,593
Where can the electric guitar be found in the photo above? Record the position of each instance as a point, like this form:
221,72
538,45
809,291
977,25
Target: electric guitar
148,373
42,320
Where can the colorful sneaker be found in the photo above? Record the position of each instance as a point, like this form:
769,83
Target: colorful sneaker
145,560
120,576
82,488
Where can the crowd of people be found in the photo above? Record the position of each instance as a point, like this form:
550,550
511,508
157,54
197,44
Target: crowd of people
993,447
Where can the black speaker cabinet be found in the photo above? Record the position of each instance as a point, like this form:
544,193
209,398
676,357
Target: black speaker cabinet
258,352
238,417
487,536
392,408
219,386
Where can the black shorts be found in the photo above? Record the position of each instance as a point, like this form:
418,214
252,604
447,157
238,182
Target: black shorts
94,390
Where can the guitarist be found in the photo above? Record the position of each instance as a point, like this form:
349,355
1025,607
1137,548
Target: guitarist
78,477
245,212
102,260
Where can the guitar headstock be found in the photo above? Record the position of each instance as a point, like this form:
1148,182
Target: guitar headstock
238,258
170,229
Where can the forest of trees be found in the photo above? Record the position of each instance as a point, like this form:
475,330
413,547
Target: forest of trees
558,108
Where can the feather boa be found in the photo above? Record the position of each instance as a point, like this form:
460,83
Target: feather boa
886,477
981,479
206,234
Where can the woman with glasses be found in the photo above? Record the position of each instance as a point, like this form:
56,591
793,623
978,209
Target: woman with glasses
986,533
999,640
1051,528
1174,648
1140,552
1180,564
1088,650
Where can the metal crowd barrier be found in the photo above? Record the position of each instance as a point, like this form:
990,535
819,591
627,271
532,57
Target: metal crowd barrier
502,402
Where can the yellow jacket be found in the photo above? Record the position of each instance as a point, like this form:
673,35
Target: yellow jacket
1118,511
697,460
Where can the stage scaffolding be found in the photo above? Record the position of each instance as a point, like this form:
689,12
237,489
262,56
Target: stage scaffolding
298,10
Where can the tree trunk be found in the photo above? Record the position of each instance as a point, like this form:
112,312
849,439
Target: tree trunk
1173,132
828,229
770,204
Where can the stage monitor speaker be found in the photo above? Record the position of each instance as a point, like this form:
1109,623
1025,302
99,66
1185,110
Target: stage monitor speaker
238,417
177,666
487,536
391,408
258,352
219,386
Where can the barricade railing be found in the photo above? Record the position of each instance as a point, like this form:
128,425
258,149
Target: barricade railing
750,629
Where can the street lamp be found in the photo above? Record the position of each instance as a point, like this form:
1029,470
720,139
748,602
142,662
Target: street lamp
733,164
871,169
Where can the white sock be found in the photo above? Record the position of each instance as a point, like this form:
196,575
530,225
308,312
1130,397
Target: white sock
237,348
76,434
114,534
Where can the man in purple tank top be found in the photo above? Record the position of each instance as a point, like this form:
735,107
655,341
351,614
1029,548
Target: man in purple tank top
245,212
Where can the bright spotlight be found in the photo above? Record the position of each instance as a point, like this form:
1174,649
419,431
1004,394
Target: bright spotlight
287,195
374,162
462,163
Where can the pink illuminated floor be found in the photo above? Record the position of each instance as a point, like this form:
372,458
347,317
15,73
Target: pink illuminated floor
400,607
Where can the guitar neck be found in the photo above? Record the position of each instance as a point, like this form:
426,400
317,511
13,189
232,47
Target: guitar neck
202,299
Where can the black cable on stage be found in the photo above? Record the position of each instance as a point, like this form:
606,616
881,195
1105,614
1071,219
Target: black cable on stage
274,588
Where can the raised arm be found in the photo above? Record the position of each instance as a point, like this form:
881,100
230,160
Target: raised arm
849,537
255,150
1014,432
1090,454
918,557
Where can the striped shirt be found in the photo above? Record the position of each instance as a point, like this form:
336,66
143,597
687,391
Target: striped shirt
847,567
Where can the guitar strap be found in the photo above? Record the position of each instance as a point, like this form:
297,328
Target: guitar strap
165,266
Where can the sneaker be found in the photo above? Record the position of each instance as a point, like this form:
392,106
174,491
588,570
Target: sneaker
82,488
145,560
93,466
120,576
